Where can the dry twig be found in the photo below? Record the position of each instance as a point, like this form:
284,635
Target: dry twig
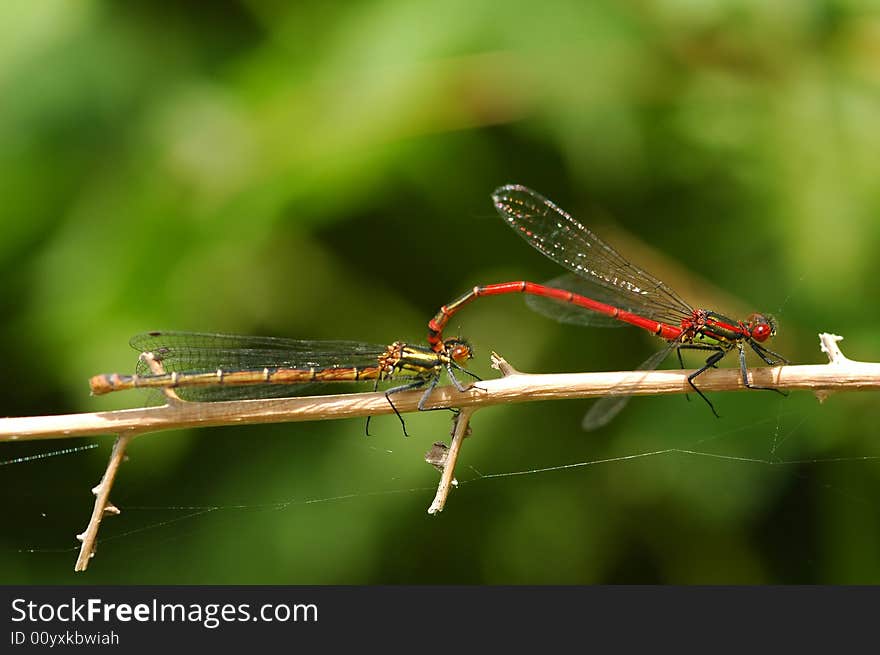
840,374
447,477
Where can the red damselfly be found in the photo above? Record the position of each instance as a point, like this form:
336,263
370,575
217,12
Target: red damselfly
210,367
615,293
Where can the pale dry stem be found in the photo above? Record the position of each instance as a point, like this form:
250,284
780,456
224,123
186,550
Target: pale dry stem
103,507
447,478
840,374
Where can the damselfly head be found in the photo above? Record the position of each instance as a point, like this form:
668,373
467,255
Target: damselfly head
761,327
458,350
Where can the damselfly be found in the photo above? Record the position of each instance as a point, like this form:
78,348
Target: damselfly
211,367
615,293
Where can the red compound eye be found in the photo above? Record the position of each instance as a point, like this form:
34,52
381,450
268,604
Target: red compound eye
761,332
761,327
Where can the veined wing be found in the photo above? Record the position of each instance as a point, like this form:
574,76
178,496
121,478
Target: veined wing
569,243
198,352
605,409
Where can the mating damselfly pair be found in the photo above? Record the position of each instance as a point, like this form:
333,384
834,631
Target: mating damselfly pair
601,289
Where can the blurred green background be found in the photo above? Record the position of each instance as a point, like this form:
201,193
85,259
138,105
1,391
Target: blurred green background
323,170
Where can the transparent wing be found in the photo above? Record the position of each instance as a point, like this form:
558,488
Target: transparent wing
198,352
566,241
605,409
